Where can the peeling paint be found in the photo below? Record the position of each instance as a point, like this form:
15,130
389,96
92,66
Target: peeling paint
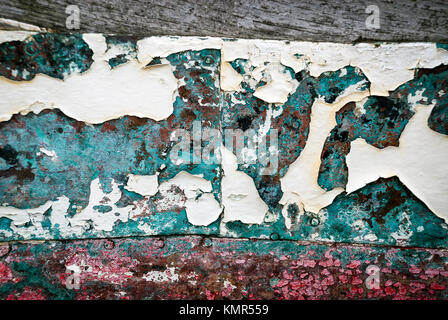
419,162
239,195
98,95
86,144
144,185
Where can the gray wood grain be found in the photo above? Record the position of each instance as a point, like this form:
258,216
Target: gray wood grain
311,20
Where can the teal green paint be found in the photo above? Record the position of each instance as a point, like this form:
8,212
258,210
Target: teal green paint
55,55
442,45
108,151
126,45
102,209
388,210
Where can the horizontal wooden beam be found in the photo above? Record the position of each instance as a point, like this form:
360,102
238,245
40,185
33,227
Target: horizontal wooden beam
317,20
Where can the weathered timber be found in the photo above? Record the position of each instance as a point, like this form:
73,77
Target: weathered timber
319,20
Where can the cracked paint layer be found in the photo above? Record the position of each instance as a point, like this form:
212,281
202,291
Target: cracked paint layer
380,122
130,146
87,151
120,49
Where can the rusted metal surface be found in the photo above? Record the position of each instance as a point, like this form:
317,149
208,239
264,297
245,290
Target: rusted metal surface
213,268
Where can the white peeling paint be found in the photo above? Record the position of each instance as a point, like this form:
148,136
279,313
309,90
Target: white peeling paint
240,197
50,153
152,47
101,221
299,185
14,35
265,57
97,95
230,79
420,162
145,185
21,217
236,49
191,184
132,89
387,65
20,25
35,216
279,87
58,216
289,199
204,210
293,60
201,206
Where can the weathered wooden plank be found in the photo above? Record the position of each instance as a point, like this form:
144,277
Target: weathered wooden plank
207,268
320,20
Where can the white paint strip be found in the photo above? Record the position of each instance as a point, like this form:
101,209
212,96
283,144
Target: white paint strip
100,94
21,25
152,47
97,95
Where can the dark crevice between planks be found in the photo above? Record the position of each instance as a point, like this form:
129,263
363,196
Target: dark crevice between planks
216,237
